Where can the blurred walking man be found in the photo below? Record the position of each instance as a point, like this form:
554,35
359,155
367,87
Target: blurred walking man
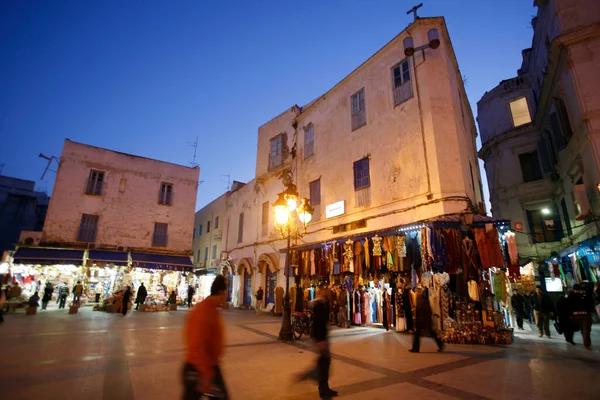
204,346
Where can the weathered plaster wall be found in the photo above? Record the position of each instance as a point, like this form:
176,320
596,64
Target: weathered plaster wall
126,218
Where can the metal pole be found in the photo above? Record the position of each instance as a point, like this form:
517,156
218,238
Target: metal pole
285,333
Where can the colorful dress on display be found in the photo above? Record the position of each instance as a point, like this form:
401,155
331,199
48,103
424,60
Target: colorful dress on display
358,258
368,308
348,256
376,252
488,245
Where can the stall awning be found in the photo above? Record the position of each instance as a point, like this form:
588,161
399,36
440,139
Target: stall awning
160,261
115,257
42,256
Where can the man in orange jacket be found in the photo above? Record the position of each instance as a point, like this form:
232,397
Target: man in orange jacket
204,346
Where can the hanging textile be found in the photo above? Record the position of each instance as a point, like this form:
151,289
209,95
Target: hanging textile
473,290
367,255
348,256
425,248
452,242
511,244
336,261
358,257
313,267
488,245
413,251
439,252
376,245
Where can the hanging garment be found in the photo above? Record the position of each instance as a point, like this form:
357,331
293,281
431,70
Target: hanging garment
452,241
446,300
488,245
385,306
376,245
413,251
379,302
368,308
473,290
313,267
425,248
336,261
348,256
400,314
367,255
439,253
511,244
305,263
358,257
373,306
357,313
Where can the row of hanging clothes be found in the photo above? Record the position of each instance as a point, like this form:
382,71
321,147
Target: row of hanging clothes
462,254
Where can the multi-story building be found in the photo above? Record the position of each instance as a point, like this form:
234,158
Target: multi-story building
540,130
21,209
114,208
393,143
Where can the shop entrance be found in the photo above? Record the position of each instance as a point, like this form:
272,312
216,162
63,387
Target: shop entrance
247,289
271,282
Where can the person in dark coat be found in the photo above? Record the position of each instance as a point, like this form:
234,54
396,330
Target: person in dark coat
48,290
142,293
126,297
34,301
564,317
581,307
63,294
319,333
544,309
424,322
190,296
518,305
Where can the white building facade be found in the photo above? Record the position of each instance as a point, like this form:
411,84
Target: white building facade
540,132
392,144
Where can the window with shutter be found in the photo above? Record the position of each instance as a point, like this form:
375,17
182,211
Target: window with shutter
166,194
241,229
159,238
359,112
309,141
402,85
95,181
88,228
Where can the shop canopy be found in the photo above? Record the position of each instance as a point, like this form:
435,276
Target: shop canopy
114,257
160,261
42,256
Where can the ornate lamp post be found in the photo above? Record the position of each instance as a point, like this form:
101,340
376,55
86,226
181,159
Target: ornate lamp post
285,222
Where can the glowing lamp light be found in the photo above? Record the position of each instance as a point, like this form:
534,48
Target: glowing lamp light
291,203
545,211
305,211
282,213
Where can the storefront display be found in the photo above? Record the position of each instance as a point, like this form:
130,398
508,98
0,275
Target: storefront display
461,269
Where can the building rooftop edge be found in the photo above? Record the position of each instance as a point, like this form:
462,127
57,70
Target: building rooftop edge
129,154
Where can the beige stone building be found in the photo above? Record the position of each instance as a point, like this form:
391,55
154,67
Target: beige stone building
540,132
392,144
105,199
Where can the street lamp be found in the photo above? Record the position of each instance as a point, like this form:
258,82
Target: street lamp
285,206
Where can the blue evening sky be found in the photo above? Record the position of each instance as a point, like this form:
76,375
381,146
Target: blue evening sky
149,77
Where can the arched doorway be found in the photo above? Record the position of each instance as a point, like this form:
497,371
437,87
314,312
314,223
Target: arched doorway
268,265
245,270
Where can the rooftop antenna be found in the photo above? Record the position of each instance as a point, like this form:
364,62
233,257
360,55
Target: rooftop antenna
414,10
194,144
228,181
50,159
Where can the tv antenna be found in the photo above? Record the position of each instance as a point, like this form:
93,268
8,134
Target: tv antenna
50,159
194,144
228,182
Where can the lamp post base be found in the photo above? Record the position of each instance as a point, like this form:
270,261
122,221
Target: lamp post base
285,333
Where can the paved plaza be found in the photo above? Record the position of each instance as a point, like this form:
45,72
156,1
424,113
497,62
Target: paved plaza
94,355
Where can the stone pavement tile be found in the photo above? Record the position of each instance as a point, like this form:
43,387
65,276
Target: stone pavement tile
49,382
524,378
140,341
234,335
156,380
22,351
251,375
397,391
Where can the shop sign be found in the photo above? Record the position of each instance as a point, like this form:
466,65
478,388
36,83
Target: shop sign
519,226
335,209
